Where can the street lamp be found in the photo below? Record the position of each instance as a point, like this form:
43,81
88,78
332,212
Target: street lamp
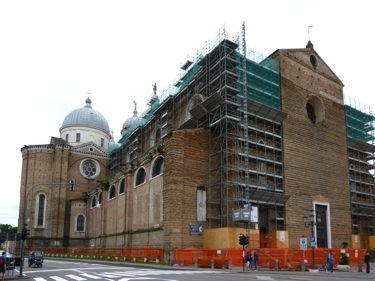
312,223
98,205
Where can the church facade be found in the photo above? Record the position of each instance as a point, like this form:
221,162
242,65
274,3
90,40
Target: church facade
237,131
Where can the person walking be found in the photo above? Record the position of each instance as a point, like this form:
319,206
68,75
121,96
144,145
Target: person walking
256,260
330,261
367,261
3,266
247,261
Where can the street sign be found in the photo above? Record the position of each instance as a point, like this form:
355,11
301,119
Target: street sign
312,241
303,243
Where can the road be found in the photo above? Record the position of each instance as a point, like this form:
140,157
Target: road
68,270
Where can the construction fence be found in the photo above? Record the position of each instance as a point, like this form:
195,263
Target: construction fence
286,259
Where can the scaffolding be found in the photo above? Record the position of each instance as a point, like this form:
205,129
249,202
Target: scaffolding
242,97
238,101
360,124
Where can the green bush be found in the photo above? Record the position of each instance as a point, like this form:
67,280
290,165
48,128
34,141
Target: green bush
344,259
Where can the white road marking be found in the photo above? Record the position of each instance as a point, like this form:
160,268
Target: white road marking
129,273
58,278
91,276
76,277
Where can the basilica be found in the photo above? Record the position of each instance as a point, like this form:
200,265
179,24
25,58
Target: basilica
241,142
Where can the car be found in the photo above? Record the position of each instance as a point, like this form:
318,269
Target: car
35,257
11,261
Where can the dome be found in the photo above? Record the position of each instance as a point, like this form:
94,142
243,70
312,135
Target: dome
112,144
130,121
86,116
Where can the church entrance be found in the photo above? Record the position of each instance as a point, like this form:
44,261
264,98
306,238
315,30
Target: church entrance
321,229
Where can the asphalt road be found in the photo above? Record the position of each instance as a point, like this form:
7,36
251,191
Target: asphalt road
80,270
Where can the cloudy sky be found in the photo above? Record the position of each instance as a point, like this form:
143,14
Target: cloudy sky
53,52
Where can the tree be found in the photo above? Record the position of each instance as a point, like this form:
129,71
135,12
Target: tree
7,228
344,259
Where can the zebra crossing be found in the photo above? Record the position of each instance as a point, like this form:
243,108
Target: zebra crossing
122,275
82,271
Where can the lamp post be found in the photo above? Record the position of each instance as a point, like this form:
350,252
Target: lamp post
101,221
312,223
98,205
72,187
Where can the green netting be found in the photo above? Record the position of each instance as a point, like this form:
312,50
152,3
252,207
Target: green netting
170,91
262,80
359,125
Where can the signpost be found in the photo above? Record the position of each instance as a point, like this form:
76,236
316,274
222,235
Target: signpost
312,241
303,244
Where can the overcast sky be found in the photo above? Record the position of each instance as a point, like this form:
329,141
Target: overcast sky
53,52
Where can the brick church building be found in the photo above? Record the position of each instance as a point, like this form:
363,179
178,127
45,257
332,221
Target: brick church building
239,142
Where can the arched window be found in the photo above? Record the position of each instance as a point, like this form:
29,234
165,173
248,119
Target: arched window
112,192
158,167
121,188
141,177
100,198
41,207
93,202
80,222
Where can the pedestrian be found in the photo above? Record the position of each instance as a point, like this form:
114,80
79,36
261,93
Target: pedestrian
256,260
251,262
367,261
330,260
3,266
247,261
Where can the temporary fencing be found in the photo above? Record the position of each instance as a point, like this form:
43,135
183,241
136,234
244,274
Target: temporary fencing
285,259
128,253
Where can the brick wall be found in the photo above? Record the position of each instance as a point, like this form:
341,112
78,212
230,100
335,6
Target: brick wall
186,167
315,155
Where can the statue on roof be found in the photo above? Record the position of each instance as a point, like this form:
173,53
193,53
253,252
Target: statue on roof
154,88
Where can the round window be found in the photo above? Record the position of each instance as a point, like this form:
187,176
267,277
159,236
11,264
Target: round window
315,110
89,168
313,60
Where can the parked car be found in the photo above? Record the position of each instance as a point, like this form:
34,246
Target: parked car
35,258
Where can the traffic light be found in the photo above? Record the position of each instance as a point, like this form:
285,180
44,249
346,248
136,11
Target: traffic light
246,240
3,237
72,185
242,240
25,233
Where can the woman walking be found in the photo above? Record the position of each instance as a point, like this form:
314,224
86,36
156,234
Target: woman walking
367,261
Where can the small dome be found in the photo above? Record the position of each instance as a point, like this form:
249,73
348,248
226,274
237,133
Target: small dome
130,121
112,144
86,116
